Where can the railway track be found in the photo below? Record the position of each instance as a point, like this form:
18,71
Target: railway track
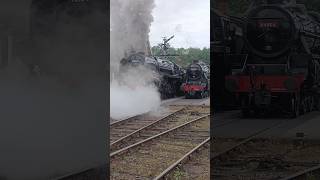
148,158
122,128
257,158
193,165
153,128
86,174
312,173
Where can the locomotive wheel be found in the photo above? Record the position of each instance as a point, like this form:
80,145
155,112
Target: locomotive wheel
257,112
202,95
311,105
188,96
245,112
295,111
303,108
207,94
244,109
198,95
317,103
308,104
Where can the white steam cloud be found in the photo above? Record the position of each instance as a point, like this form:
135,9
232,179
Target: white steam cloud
130,23
127,101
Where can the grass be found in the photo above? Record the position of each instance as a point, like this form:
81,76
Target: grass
310,176
178,174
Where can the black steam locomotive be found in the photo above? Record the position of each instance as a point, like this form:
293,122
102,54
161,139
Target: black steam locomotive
281,68
197,84
166,75
173,76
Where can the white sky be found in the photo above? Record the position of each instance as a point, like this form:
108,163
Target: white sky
188,20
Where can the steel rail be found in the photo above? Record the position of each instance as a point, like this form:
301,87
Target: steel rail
70,175
126,149
189,154
302,173
127,119
144,127
246,140
184,158
191,105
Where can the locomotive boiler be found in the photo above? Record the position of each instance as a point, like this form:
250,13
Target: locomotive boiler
140,62
173,76
197,83
281,68
165,74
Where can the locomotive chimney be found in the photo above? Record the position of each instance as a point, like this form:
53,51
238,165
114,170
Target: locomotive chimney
148,49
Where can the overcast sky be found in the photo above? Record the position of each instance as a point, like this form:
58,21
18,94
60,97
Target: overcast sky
188,20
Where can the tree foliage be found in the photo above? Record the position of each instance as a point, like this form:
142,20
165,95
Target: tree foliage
312,5
185,56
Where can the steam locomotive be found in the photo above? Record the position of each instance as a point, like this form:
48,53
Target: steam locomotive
280,70
197,83
166,75
173,76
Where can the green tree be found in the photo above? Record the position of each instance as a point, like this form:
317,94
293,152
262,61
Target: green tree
185,56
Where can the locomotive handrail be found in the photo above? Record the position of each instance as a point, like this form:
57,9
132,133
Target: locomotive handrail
263,18
245,60
310,34
245,63
272,64
216,42
315,56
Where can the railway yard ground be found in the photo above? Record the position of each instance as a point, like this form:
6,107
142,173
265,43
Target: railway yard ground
265,148
173,144
288,128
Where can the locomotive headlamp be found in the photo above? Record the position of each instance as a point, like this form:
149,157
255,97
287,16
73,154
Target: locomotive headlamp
290,84
231,85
